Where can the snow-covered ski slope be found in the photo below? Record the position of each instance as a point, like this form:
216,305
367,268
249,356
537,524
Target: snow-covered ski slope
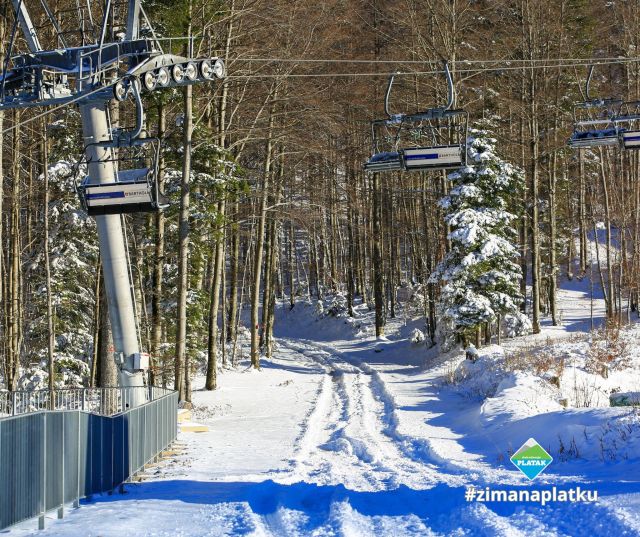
342,434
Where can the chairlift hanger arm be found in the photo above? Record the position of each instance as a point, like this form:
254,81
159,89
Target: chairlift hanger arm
451,96
387,95
587,97
450,86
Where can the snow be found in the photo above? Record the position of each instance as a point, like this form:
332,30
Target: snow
342,433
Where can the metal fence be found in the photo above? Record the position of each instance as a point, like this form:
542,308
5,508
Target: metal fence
103,401
51,458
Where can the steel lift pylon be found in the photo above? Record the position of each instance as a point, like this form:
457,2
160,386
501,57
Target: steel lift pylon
108,50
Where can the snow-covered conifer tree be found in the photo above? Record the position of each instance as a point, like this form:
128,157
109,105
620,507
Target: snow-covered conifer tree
480,275
74,254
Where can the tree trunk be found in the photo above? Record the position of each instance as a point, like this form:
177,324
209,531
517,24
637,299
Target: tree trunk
212,361
259,242
582,215
535,226
13,291
95,354
232,323
156,300
607,222
47,268
378,270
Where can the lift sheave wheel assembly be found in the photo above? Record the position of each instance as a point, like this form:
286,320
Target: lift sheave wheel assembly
99,71
430,140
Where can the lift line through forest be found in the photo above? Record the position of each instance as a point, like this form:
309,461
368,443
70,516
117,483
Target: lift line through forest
114,54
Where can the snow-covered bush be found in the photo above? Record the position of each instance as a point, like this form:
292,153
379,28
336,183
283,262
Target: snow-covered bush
481,377
331,306
69,372
516,323
417,337
608,351
471,353
337,306
480,276
34,378
542,361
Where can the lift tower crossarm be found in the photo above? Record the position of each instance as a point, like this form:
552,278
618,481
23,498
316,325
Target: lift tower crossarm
133,20
30,35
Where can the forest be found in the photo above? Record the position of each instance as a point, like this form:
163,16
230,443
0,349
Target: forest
271,206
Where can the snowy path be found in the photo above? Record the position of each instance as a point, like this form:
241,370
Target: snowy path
338,436
350,437
421,452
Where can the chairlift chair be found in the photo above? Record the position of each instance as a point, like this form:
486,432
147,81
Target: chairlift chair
136,188
430,140
628,122
595,122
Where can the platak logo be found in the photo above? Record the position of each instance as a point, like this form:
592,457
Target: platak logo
531,459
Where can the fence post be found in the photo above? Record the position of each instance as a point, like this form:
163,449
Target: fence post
14,399
84,393
63,456
44,472
76,502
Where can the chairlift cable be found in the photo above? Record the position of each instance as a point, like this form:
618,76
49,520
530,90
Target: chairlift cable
582,63
431,62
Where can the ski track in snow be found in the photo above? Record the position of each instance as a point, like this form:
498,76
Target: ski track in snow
420,451
354,425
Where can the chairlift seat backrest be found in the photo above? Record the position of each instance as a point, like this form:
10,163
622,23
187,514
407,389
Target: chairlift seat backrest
595,138
631,139
440,157
628,122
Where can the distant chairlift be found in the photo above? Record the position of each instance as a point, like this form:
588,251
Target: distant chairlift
628,122
431,140
136,160
595,122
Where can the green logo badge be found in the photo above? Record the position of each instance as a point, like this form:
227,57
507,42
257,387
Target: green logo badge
531,459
